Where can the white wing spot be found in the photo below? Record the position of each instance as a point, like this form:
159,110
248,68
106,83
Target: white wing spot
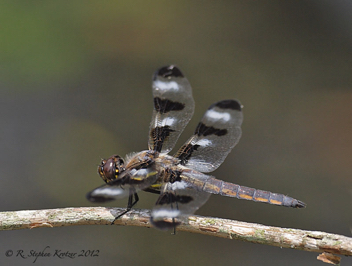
214,115
204,142
168,121
179,185
108,192
165,213
165,86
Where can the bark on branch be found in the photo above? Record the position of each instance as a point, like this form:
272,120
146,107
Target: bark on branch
275,236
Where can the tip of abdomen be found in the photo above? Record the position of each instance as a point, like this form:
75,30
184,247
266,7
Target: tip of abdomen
298,204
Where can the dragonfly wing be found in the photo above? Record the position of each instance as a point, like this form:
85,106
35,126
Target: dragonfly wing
217,133
178,200
173,108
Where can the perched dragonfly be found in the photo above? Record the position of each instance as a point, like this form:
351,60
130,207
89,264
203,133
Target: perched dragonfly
179,179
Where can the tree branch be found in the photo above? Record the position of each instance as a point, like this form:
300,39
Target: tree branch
255,233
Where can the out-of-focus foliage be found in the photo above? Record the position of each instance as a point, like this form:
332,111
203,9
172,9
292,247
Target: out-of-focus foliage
75,86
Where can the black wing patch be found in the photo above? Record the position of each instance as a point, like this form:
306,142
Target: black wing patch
165,106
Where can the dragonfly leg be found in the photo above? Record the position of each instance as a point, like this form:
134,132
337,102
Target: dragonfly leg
130,204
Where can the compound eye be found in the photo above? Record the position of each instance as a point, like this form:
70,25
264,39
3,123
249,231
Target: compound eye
111,168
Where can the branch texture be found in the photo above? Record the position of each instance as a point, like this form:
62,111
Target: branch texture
255,233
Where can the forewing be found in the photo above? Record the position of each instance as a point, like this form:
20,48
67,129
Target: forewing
129,183
215,136
178,200
173,108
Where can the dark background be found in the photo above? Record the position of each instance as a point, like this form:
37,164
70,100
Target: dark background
75,86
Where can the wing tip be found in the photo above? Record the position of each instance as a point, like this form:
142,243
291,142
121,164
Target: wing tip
164,225
170,71
98,199
228,104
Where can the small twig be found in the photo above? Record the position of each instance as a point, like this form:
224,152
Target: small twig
255,233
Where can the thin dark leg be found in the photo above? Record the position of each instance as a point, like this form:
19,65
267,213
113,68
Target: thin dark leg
130,204
173,221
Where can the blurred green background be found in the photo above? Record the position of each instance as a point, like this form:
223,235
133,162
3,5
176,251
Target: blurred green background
75,86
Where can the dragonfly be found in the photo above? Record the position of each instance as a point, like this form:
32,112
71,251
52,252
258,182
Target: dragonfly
180,179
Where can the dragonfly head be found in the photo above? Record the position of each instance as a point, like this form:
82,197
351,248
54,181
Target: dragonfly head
110,169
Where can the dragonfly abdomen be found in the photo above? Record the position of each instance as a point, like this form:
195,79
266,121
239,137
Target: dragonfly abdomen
222,188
